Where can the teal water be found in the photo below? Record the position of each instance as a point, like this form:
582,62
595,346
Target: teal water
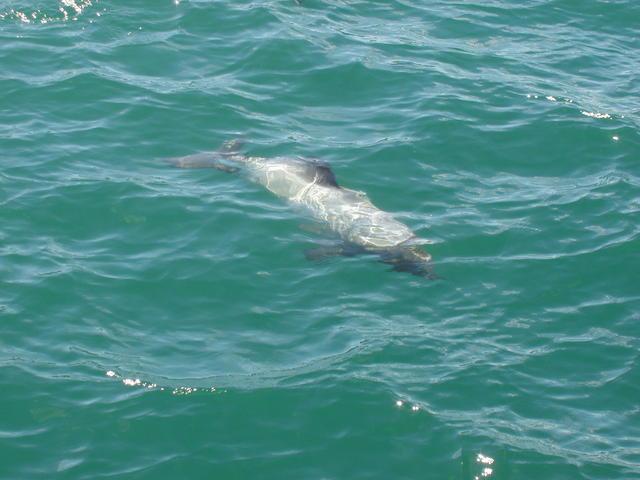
164,323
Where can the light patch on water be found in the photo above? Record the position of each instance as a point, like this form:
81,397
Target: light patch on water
130,382
595,114
68,463
587,113
484,459
486,471
45,12
136,382
400,404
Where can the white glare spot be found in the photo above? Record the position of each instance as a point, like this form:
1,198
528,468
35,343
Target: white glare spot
110,373
484,459
616,138
553,99
184,390
415,408
595,114
399,403
130,382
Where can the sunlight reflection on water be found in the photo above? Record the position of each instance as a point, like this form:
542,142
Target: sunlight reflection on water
62,10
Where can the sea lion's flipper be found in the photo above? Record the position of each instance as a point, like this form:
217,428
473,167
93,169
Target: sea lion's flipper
322,253
417,270
317,229
409,259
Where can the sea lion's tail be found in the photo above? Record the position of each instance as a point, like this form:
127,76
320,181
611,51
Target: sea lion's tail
215,159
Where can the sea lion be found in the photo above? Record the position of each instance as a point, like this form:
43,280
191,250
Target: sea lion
311,185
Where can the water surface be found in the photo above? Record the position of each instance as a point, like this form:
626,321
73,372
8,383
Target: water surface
163,323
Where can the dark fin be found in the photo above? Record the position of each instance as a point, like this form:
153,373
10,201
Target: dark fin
326,177
321,173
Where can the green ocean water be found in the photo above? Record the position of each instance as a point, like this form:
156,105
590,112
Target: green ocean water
162,323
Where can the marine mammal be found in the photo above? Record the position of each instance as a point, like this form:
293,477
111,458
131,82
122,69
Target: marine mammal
310,185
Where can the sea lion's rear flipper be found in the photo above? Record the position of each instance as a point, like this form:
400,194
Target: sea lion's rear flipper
231,147
210,159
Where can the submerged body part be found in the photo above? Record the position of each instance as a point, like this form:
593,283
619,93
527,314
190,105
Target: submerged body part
311,186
